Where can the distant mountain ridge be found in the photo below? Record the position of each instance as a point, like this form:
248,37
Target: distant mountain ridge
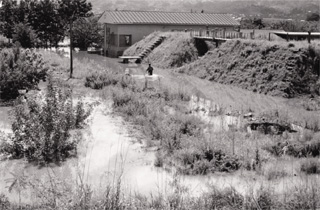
297,9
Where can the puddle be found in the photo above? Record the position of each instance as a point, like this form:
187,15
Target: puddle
212,114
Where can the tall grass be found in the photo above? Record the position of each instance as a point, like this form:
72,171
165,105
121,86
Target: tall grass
59,197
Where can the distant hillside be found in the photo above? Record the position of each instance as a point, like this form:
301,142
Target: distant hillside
264,8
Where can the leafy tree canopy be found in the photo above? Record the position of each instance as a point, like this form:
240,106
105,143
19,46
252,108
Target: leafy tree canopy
50,19
72,10
86,31
25,35
8,17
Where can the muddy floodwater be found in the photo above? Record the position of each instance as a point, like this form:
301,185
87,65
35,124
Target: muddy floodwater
107,153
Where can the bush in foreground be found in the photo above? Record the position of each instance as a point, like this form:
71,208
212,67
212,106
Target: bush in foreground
99,80
42,125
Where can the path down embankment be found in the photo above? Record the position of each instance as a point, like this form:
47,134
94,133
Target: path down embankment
176,50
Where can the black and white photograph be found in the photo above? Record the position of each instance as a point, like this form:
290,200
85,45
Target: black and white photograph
159,105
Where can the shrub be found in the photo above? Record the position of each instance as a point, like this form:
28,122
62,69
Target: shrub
276,173
314,104
196,161
226,199
311,166
80,115
42,125
6,45
303,197
313,124
159,159
296,149
4,202
6,146
265,200
20,69
99,80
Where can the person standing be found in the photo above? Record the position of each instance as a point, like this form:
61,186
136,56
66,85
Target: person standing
150,69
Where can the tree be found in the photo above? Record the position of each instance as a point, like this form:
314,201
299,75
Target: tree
313,17
86,31
8,17
20,70
48,23
22,11
252,23
258,23
71,11
25,35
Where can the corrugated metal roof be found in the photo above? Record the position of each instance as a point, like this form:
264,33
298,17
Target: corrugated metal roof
168,18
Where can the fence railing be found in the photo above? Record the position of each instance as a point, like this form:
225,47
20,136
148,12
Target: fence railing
223,34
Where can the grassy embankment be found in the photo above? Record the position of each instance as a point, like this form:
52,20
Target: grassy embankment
273,68
177,49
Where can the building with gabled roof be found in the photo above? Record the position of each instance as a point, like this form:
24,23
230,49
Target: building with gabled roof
124,28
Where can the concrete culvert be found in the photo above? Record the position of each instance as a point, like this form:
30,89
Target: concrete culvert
201,46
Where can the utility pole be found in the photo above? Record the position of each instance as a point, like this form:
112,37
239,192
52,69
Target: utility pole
71,56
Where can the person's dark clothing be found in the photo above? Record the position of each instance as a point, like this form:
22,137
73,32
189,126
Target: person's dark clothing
150,70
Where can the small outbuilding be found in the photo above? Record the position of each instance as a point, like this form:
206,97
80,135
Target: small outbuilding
124,28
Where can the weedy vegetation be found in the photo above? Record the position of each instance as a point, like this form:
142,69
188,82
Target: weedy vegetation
43,123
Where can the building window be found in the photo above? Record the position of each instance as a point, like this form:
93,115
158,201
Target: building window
125,40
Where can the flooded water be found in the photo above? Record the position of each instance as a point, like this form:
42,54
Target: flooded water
212,114
5,122
107,153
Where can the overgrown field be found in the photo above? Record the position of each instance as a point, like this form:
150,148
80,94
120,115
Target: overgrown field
160,111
